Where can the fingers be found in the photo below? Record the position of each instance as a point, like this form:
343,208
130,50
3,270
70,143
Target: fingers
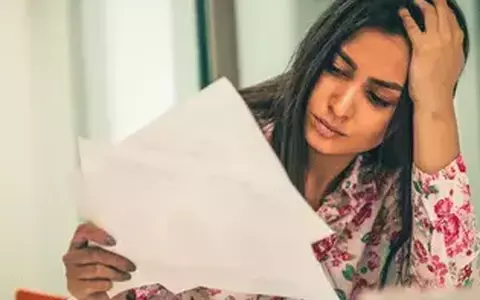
97,272
99,296
95,255
90,290
450,28
89,232
410,25
440,22
444,16
91,270
429,14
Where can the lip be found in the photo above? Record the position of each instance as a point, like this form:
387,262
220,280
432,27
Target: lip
325,128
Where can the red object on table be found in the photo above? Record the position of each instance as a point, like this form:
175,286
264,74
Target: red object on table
23,294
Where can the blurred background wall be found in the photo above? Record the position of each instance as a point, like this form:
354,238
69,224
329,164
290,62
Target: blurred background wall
104,68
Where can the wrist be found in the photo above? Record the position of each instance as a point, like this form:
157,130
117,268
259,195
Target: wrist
435,109
436,139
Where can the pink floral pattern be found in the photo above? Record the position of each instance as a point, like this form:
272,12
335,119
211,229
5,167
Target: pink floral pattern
365,218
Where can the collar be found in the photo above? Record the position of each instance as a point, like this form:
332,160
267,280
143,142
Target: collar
355,194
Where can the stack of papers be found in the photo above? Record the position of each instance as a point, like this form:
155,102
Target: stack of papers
199,199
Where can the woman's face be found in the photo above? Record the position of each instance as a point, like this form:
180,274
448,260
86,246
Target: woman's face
354,100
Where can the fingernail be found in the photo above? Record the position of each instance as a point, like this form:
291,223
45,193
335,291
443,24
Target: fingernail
110,241
81,244
127,276
132,267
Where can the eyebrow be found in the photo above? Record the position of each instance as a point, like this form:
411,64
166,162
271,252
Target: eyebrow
347,59
387,84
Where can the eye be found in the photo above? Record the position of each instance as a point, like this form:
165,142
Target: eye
377,101
338,72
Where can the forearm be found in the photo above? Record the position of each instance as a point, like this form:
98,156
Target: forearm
436,139
444,233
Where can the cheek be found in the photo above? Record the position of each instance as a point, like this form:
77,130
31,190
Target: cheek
320,94
373,128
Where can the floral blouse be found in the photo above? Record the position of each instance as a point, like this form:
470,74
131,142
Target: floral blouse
445,246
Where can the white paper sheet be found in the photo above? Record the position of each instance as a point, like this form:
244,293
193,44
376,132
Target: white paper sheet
198,198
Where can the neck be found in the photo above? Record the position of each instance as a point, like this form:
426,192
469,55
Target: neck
322,170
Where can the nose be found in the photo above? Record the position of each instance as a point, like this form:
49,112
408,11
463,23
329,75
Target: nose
342,103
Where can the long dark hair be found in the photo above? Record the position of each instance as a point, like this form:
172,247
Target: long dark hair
283,101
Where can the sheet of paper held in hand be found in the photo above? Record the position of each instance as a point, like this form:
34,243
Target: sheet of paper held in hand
199,199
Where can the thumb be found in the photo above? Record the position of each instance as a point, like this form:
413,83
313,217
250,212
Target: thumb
88,232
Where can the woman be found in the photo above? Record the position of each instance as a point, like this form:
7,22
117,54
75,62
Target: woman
363,121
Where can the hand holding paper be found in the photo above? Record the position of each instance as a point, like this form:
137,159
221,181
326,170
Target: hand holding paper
198,198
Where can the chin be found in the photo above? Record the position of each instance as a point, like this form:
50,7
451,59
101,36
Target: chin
325,146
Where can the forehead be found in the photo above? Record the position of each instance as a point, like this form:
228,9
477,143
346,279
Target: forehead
379,55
